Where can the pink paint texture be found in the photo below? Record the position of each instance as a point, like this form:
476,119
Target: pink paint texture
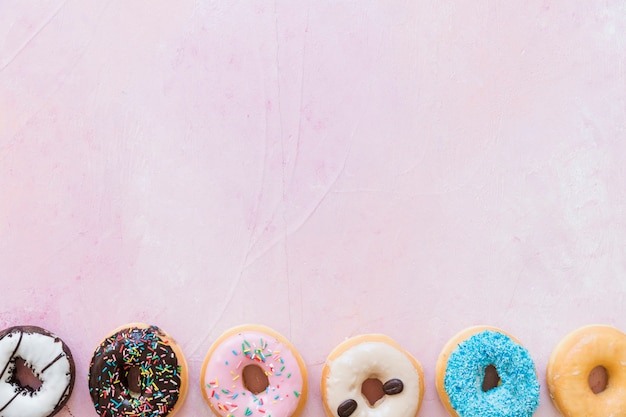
324,168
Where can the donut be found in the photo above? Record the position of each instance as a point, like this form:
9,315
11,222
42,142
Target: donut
37,372
252,370
485,372
586,373
138,370
371,376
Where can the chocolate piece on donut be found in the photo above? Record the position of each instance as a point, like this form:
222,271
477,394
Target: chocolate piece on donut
346,408
138,370
393,386
352,379
37,372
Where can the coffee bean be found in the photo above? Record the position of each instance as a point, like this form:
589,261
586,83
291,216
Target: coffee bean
346,408
393,386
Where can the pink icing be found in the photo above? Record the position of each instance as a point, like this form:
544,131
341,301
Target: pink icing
223,383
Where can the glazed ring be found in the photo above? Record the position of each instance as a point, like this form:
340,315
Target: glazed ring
252,370
371,376
586,373
473,357
138,370
51,363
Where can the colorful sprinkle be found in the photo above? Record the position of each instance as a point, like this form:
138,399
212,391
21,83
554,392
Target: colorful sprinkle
157,367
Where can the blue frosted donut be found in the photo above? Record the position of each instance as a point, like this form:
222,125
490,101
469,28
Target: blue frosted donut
462,367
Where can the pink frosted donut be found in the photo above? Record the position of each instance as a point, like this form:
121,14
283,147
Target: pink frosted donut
252,370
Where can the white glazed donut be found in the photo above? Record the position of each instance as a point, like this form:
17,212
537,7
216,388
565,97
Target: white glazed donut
50,361
377,364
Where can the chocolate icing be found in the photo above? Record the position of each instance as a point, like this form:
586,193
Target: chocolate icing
135,371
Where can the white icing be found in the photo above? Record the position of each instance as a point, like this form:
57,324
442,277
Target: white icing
38,351
373,360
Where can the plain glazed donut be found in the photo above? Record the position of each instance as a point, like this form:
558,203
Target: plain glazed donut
138,370
571,368
371,376
50,361
252,370
463,366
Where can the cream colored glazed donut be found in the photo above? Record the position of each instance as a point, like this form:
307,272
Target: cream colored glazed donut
254,371
371,376
574,364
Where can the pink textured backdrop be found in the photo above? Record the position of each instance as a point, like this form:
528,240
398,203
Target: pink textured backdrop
325,168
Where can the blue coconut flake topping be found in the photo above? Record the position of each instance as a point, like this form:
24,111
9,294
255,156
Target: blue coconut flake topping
518,393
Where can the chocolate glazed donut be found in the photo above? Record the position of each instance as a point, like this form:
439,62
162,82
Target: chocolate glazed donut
137,370
36,372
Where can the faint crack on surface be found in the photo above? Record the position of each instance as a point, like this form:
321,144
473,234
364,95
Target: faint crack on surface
293,229
34,35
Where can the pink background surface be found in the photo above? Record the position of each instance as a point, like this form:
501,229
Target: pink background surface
324,168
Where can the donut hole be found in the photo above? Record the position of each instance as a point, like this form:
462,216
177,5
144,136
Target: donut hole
25,377
491,379
130,378
598,379
254,379
372,390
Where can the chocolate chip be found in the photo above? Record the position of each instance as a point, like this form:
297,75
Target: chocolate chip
393,386
346,408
